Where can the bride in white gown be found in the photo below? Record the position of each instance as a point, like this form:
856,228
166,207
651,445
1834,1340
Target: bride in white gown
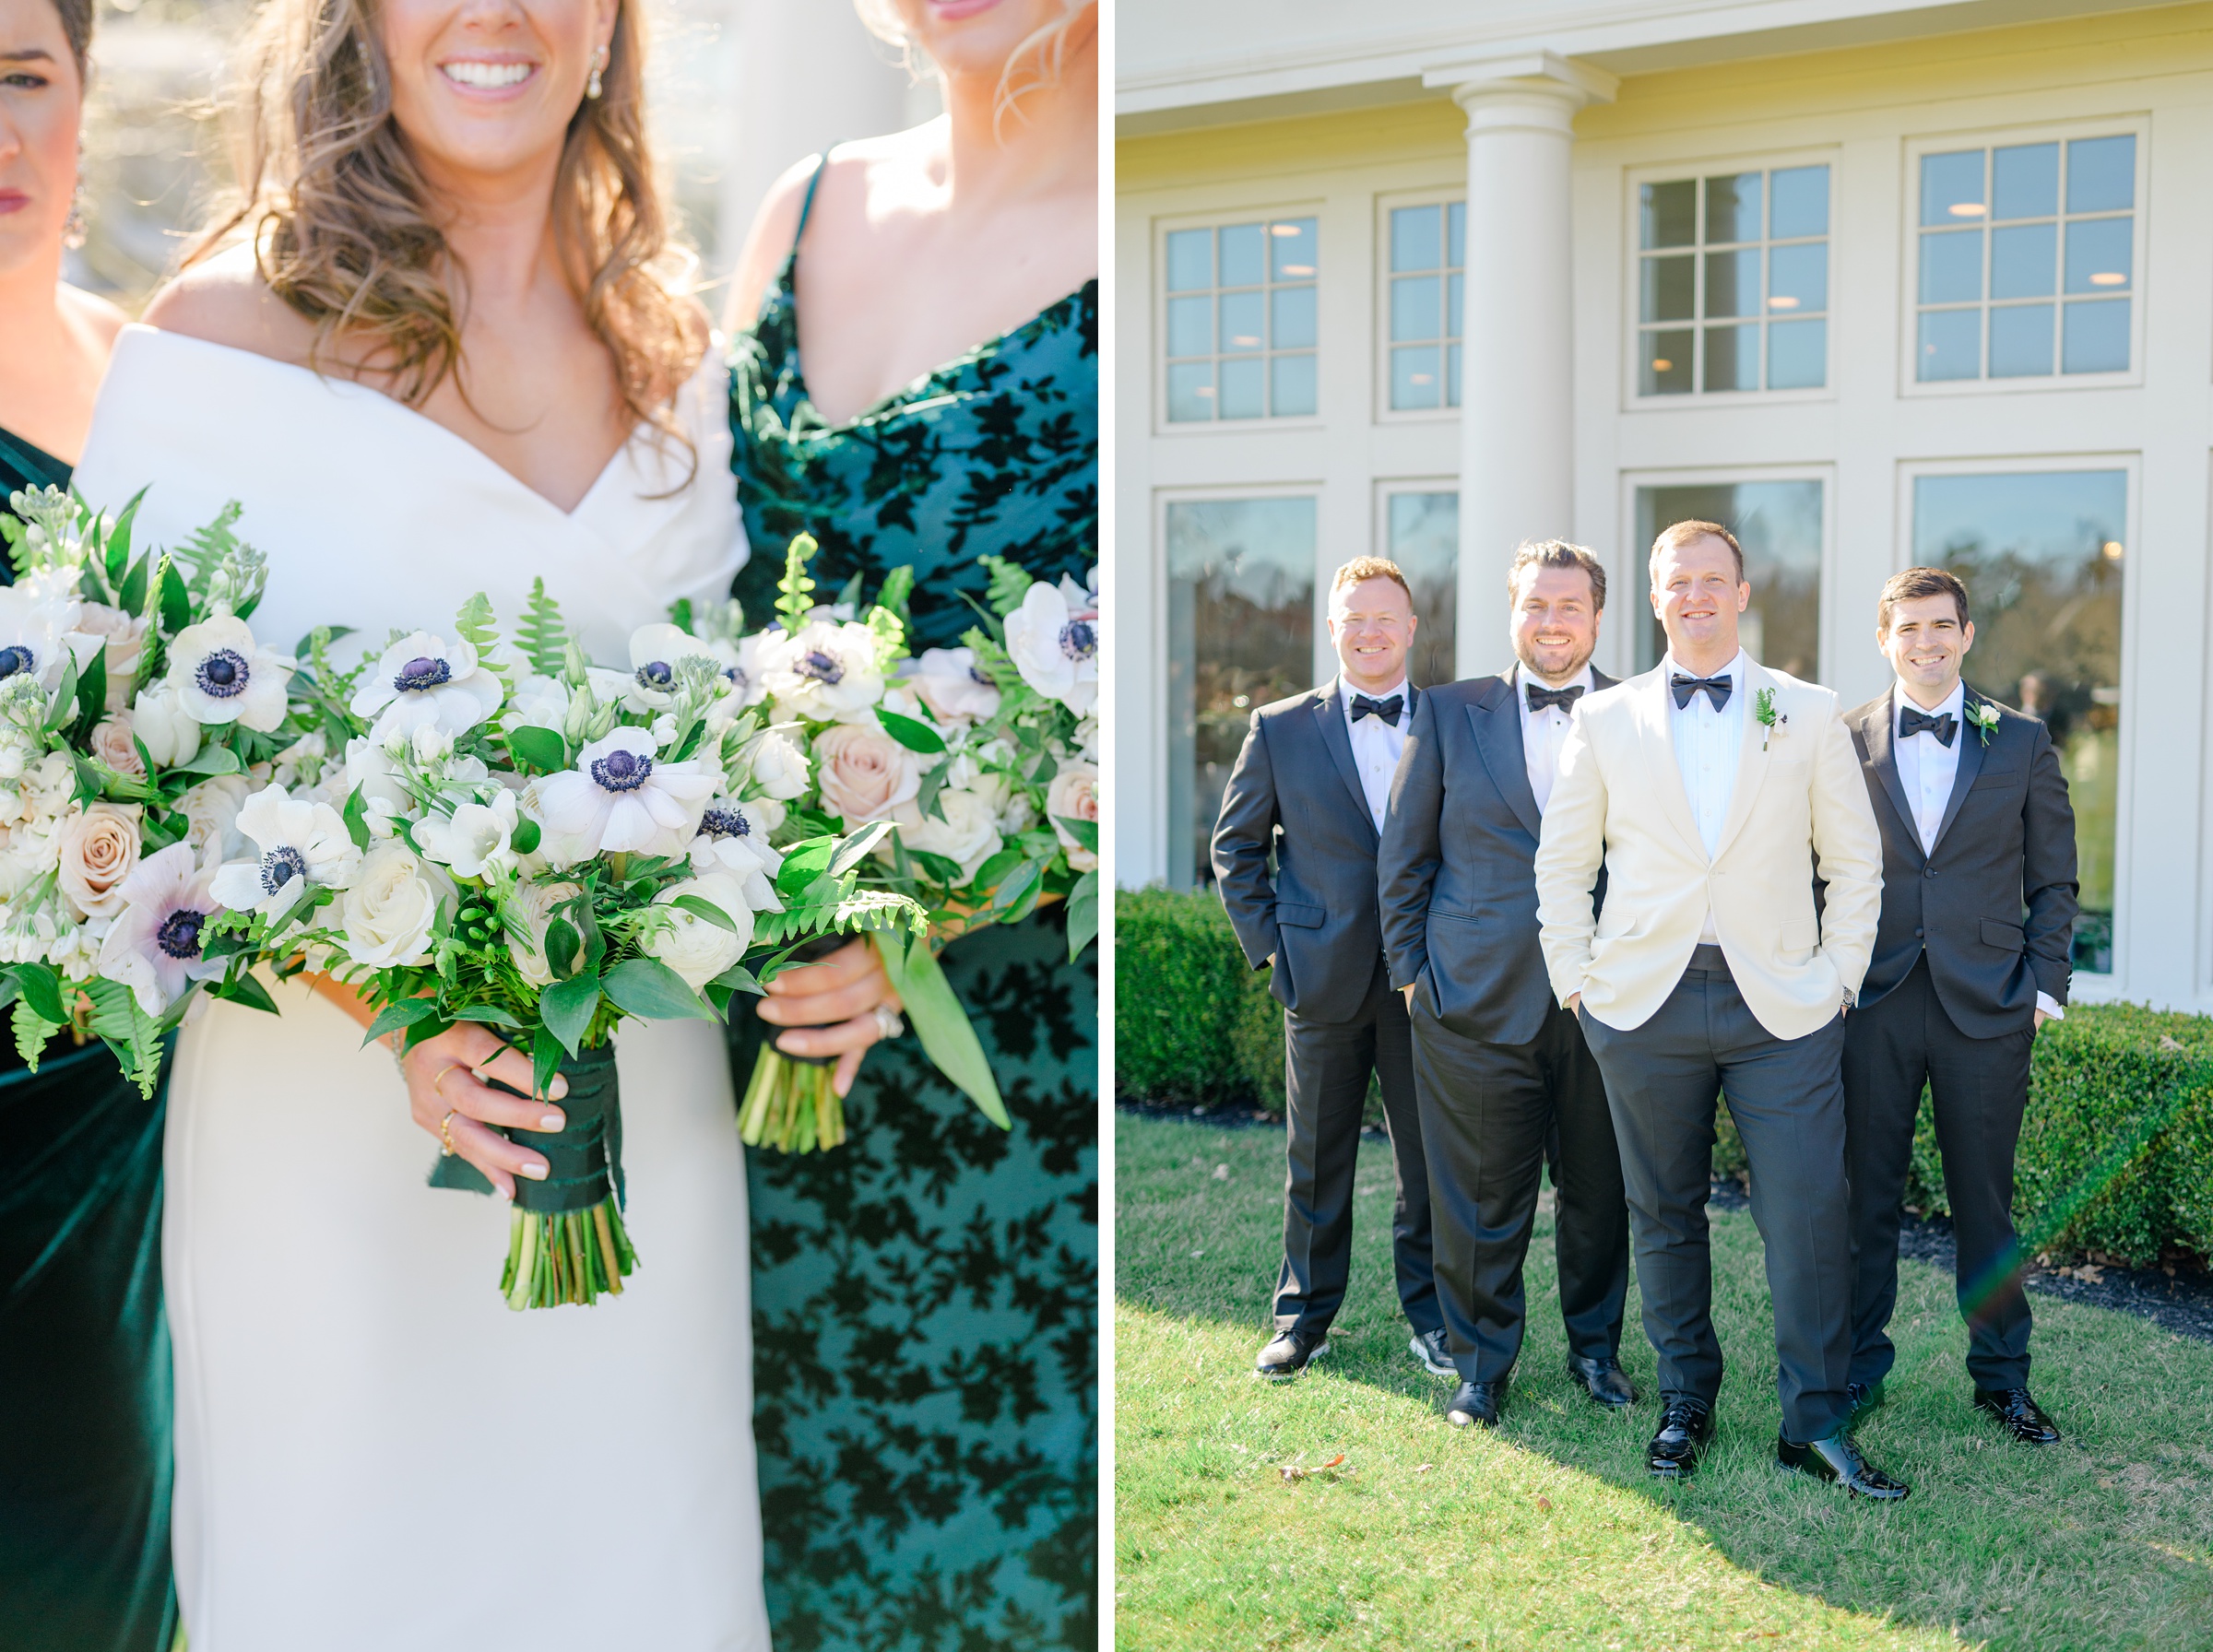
412,402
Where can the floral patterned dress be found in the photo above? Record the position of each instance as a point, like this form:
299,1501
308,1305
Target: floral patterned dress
926,1296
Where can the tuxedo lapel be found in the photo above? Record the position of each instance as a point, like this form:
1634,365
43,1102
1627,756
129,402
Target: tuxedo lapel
1328,711
1882,751
1496,720
1752,758
1664,776
1970,765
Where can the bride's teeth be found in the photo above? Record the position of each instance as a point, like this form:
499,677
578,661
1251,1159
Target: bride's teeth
487,75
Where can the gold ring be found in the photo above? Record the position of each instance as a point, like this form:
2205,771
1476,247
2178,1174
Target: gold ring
448,1068
446,1128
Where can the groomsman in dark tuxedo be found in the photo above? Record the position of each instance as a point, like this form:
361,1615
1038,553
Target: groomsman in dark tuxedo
1309,790
1500,1069
1970,959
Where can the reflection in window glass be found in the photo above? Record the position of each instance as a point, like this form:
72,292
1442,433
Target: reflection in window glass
1989,260
1428,250
1240,635
1779,524
1240,326
1421,536
1730,251
2043,558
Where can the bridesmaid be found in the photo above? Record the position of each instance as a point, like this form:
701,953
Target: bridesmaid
84,1349
924,1296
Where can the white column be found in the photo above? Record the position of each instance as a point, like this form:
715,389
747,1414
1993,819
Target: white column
1517,431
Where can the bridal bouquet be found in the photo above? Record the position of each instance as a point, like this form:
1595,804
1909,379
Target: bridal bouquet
983,758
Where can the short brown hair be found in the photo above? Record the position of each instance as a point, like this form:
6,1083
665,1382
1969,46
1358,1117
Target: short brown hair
1360,568
1682,533
1556,553
1917,582
76,28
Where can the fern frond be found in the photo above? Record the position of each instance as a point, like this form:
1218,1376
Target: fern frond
1010,582
541,632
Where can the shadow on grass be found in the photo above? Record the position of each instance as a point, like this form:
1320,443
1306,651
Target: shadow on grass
2104,1542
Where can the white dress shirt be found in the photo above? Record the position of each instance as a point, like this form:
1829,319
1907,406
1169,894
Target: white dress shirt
1543,732
1708,745
1376,744
1927,770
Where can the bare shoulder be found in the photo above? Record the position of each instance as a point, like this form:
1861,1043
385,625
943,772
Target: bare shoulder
94,317
224,300
774,227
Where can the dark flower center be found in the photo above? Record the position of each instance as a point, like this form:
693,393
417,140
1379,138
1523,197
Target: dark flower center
737,675
16,659
280,866
422,674
180,933
814,663
655,674
979,678
224,674
1079,641
726,822
622,771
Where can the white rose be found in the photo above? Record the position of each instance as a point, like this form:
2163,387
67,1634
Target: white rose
865,775
211,811
779,765
968,833
1074,796
169,731
112,745
693,948
476,841
533,904
99,850
392,910
371,770
126,637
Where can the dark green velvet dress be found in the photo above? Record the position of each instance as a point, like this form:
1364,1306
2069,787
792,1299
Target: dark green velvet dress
926,1296
83,1346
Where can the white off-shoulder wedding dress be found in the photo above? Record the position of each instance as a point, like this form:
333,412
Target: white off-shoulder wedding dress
373,1453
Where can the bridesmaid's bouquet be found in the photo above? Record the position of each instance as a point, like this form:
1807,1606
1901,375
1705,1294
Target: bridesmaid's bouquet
982,758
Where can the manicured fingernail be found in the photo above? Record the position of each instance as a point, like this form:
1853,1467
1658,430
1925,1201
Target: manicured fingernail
549,1121
537,1172
558,1089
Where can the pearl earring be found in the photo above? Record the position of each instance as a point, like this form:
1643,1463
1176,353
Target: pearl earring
591,87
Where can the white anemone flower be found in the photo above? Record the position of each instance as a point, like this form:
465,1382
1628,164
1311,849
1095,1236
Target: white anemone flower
153,947
1053,639
222,674
656,651
422,680
620,798
826,671
733,838
297,845
477,841
948,682
34,627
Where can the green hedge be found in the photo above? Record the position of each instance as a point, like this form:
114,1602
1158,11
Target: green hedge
2116,1152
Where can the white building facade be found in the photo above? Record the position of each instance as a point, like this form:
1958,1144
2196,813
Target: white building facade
1876,285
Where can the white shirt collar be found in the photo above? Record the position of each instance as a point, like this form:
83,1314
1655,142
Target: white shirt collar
1955,703
1346,691
1523,676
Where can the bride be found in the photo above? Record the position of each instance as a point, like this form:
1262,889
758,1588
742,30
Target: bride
438,349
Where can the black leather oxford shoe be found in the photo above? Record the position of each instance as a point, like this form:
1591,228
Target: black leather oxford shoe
2023,1418
1863,1397
1605,1381
1477,1403
1435,1351
1291,1353
1685,1430
1838,1460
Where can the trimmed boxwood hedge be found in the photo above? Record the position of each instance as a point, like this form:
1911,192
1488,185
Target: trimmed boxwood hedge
2116,1150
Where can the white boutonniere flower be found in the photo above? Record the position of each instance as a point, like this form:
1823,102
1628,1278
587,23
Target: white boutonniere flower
1983,715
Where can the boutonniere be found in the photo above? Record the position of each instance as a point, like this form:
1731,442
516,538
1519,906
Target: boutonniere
1983,715
1766,716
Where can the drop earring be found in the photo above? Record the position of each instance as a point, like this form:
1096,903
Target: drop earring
73,228
592,87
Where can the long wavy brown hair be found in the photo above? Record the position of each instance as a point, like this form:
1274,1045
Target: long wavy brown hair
344,225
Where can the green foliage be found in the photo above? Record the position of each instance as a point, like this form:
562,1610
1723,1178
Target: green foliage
1179,980
1010,582
795,601
541,633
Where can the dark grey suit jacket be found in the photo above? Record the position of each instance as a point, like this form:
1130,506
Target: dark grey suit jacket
1317,915
1457,866
1993,905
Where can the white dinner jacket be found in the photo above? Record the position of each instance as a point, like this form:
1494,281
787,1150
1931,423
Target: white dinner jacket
1799,807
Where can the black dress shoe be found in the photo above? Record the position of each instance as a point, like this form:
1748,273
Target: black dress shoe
1290,1353
2023,1418
1476,1402
1685,1430
1605,1381
1435,1351
1837,1459
1863,1397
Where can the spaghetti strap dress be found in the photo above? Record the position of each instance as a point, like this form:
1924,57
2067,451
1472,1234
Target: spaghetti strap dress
84,1344
926,1295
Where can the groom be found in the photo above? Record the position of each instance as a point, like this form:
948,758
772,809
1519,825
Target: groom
1714,792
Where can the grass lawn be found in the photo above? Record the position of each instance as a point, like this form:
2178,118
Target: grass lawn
1548,1533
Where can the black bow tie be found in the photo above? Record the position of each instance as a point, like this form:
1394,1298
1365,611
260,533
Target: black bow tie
1386,708
1717,689
1911,722
1563,698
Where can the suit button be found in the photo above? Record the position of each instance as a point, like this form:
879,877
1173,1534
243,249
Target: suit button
1928,871
1919,934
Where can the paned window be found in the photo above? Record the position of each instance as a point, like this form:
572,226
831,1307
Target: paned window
2042,556
1421,536
1240,322
1240,635
1428,258
1778,525
2025,260
1732,282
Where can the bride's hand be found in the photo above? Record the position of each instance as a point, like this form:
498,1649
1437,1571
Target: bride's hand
830,1008
445,1093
